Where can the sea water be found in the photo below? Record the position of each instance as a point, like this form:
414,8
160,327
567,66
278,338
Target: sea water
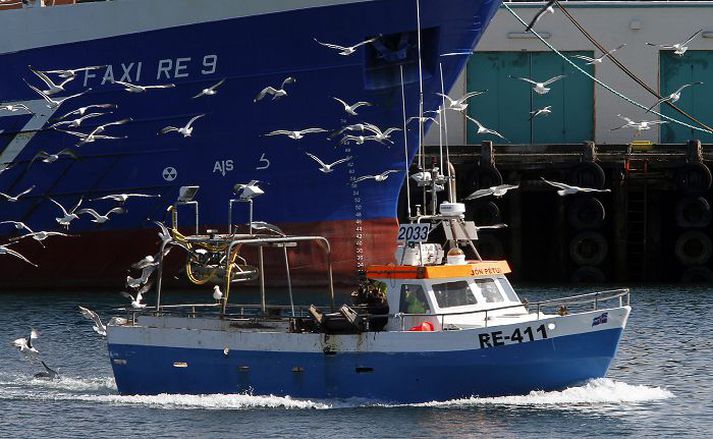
658,386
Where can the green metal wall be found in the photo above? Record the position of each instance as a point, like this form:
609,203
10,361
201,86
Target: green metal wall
506,106
695,65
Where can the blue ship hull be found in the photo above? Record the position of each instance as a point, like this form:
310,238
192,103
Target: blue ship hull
401,377
228,145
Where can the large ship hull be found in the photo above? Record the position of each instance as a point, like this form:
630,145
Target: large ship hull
194,44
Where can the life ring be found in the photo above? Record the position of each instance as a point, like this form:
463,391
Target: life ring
586,213
423,327
588,248
588,275
484,177
489,247
693,178
484,214
693,248
697,275
588,174
693,212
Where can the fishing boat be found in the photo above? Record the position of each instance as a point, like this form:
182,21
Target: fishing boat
430,325
411,50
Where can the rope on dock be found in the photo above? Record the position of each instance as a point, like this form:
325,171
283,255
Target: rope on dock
608,88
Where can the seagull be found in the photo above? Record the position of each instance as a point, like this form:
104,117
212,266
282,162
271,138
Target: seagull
345,51
675,96
276,93
378,134
68,216
361,127
142,281
39,236
4,250
359,140
210,91
135,88
94,135
143,263
422,178
540,87
15,198
422,119
19,225
75,123
380,177
83,110
71,73
15,108
548,8
55,103
24,344
351,109
247,191
296,135
53,88
678,48
599,60
135,301
484,130
186,131
640,126
496,191
99,327
101,219
460,104
544,111
262,225
49,374
46,157
327,168
121,198
164,233
217,294
565,189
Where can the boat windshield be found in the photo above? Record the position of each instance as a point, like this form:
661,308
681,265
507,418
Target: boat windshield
451,294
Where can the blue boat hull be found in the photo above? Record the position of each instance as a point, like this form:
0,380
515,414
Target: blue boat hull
405,377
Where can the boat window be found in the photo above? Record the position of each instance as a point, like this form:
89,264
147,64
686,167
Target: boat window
413,300
489,289
451,294
506,288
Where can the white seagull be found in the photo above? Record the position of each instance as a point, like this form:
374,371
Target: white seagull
19,225
75,123
98,218
678,48
422,119
262,225
4,250
545,111
46,157
13,108
599,60
345,51
460,104
296,135
121,198
484,130
24,344
39,236
71,73
351,109
379,178
99,327
276,93
135,88
136,302
55,103
53,88
247,191
186,131
217,294
68,216
640,126
496,191
145,262
359,140
540,87
565,189
83,110
547,8
210,91
14,199
327,168
378,134
675,96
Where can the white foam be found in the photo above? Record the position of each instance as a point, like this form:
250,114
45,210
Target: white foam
216,402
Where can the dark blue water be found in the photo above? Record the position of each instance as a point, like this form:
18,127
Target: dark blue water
659,386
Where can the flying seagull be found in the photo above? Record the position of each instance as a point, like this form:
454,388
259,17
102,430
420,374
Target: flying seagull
540,87
262,225
210,91
345,51
19,225
545,111
460,104
296,135
675,96
39,236
98,327
547,8
599,60
15,198
565,189
422,119
135,88
351,109
136,302
496,191
24,344
379,178
83,110
327,168
121,198
71,73
378,134
46,157
98,218
186,130
55,103
53,88
484,130
276,93
68,216
359,140
640,126
75,123
678,48
15,108
4,250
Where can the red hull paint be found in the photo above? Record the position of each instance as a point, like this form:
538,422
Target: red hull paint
102,259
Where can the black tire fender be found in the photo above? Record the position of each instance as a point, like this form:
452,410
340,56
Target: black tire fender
693,212
588,248
694,178
586,212
588,174
693,248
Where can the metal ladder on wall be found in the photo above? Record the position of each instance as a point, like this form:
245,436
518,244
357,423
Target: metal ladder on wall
636,218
